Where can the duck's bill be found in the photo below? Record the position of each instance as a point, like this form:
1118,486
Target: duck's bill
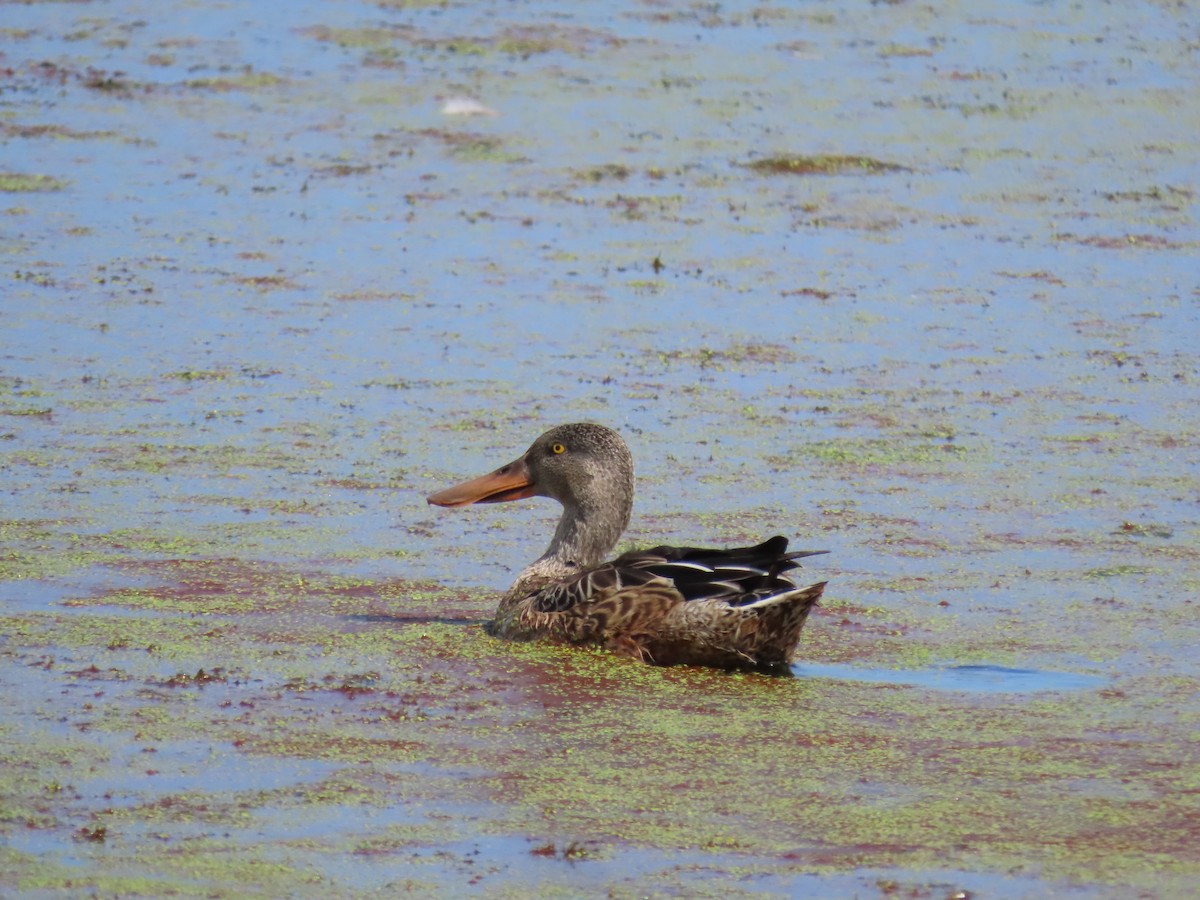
511,482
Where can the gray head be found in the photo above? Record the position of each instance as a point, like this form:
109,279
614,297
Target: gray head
582,465
585,467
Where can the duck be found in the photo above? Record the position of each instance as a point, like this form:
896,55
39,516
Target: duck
734,608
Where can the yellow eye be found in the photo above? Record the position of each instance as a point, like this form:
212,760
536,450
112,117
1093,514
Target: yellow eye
558,448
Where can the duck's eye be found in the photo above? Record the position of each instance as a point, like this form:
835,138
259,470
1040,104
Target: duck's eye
557,448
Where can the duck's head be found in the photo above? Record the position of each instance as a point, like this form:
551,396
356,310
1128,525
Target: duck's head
583,466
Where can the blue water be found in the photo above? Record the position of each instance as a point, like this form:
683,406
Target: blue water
969,679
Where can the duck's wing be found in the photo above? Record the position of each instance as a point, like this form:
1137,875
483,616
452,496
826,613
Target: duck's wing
593,586
739,576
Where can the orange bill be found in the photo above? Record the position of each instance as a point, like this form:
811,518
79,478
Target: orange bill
511,482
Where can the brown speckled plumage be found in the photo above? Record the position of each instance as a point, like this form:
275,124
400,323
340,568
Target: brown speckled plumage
735,608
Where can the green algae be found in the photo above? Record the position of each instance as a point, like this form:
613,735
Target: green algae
1115,571
199,375
246,80
871,452
363,38
59,132
18,183
829,164
605,172
488,150
37,550
633,755
157,600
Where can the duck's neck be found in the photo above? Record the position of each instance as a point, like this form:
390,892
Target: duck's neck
583,538
585,534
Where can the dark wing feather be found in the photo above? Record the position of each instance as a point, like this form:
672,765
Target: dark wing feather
739,575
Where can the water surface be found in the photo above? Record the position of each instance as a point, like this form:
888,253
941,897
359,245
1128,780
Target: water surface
261,295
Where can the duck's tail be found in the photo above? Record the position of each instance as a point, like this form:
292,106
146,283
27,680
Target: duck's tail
772,639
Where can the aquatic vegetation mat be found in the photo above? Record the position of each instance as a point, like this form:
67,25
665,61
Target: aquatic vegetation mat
915,287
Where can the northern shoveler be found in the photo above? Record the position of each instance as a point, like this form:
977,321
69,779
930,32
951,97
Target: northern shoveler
732,608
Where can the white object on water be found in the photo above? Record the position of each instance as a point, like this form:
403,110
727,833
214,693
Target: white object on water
466,106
